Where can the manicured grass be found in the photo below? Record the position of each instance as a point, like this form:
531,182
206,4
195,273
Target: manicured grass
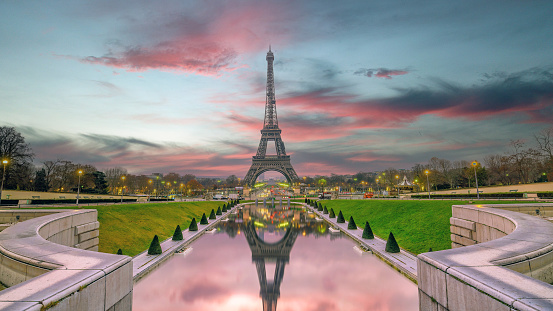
417,225
132,227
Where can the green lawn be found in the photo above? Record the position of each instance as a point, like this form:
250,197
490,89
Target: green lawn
417,225
132,227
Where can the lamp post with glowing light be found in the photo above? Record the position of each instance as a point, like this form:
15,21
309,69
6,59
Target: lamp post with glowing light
397,185
378,186
80,172
4,162
122,188
475,164
149,191
427,182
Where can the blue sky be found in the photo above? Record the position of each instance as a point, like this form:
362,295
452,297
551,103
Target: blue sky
360,85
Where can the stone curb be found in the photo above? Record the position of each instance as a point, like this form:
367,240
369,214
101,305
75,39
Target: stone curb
404,262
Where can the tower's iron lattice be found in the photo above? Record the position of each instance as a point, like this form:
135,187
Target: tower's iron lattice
261,162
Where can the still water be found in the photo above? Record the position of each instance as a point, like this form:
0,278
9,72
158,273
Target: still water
268,259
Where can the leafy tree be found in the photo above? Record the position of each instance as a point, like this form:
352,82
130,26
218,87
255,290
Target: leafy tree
40,183
100,182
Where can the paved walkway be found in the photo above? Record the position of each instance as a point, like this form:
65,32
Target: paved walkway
404,262
144,263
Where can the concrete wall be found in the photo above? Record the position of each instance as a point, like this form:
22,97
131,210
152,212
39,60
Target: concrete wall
45,262
501,260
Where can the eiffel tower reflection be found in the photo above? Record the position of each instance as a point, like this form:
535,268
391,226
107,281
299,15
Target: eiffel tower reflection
254,223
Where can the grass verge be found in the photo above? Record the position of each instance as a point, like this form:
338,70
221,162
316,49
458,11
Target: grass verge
417,225
131,227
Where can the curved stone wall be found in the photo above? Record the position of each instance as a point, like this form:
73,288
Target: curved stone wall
45,262
505,263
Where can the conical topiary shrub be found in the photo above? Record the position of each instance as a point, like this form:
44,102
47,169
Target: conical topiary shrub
325,210
351,223
331,213
430,250
320,208
193,225
391,244
219,212
367,231
155,247
224,208
212,215
203,221
305,201
177,235
340,218
119,252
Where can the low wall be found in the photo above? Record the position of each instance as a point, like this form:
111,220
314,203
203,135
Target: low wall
501,260
49,263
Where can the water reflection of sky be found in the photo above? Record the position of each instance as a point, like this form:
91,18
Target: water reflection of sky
321,275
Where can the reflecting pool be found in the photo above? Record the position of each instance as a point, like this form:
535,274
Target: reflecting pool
270,259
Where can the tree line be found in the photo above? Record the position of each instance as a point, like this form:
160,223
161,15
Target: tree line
63,175
524,162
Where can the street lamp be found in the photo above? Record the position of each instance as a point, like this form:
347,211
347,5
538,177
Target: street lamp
378,186
80,172
397,185
122,188
427,182
475,164
149,191
5,162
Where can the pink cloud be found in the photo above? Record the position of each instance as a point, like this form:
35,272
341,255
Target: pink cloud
206,43
381,72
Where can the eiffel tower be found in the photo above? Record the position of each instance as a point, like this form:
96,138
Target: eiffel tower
262,162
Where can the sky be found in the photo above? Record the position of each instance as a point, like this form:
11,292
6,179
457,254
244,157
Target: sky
179,86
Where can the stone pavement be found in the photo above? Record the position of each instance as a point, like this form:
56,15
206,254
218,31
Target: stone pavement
144,263
404,262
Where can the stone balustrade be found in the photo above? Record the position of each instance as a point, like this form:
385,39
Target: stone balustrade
501,260
48,260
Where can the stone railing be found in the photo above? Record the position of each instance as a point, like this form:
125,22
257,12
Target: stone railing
505,264
45,263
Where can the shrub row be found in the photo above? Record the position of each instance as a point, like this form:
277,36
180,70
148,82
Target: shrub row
471,195
541,195
155,246
81,201
391,243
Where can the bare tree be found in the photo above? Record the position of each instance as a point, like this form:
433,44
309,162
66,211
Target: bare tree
13,148
545,142
113,177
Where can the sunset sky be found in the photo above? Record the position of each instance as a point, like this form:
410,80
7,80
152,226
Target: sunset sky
179,86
